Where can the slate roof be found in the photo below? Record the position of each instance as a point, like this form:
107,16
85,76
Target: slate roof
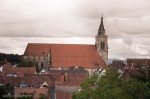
66,55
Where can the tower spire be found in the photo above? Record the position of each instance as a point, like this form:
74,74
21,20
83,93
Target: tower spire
101,30
101,42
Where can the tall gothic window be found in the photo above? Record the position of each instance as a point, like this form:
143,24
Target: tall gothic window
102,45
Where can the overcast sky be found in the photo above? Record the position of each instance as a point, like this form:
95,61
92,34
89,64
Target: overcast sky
127,24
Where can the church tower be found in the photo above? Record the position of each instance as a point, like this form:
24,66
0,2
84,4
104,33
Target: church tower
101,42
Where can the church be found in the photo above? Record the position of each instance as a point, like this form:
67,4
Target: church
65,56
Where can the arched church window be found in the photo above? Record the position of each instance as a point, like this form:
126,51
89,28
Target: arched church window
103,45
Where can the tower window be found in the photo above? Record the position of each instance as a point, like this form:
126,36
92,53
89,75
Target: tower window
102,45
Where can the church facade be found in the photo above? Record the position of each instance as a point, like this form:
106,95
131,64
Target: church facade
65,56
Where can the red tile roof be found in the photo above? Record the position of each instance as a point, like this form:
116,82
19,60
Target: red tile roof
18,70
30,80
66,55
137,62
36,91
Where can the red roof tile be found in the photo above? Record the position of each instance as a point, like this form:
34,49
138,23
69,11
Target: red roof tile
66,55
137,62
17,70
36,91
30,80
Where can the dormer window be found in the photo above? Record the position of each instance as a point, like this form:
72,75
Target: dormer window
23,85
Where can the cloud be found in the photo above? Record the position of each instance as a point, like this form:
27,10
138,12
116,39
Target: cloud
17,45
76,21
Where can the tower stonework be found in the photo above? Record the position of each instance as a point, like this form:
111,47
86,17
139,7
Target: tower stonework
101,42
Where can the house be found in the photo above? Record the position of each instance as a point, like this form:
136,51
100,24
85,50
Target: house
117,64
17,71
35,92
27,81
137,62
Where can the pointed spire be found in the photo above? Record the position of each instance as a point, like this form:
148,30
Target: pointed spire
101,30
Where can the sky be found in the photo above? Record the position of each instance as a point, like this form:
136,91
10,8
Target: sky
127,24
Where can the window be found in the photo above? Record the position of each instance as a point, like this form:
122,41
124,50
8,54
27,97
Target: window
102,45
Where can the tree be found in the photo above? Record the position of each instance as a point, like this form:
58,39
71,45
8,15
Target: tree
9,89
26,96
110,86
142,75
10,57
27,63
42,96
2,92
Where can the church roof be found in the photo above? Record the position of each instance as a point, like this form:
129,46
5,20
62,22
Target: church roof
67,55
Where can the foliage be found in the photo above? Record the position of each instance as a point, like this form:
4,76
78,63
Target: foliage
42,96
10,57
9,88
143,73
26,96
27,63
2,91
110,86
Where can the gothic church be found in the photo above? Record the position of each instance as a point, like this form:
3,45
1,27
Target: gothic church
65,56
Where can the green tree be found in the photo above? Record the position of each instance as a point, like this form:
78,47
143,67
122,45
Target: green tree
2,92
110,86
26,96
42,96
14,58
27,63
142,75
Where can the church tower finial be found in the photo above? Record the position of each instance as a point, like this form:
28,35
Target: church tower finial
101,41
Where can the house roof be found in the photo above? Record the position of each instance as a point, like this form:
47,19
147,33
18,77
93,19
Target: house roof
18,70
30,80
73,77
137,62
36,91
82,72
66,55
